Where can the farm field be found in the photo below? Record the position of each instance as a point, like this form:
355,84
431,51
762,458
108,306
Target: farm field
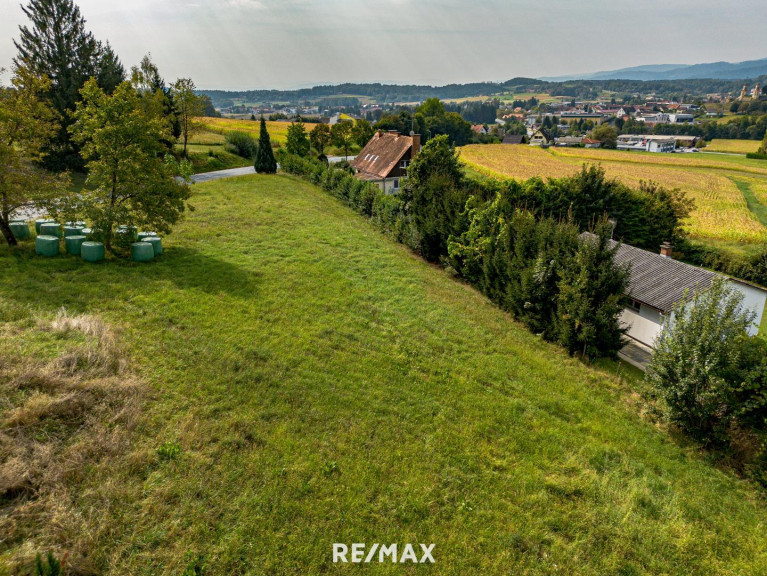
278,131
721,216
733,146
308,381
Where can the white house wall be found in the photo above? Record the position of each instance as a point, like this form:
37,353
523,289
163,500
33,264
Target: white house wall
754,299
644,326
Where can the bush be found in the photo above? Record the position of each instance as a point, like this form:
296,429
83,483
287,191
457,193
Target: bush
756,156
700,360
242,144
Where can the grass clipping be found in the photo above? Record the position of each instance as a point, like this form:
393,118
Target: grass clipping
63,423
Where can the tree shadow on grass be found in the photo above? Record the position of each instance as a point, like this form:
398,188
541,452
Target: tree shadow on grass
50,283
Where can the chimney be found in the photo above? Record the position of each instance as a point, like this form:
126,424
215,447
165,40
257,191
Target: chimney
416,148
666,249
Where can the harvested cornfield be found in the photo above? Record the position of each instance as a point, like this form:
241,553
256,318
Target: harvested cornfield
733,146
721,211
278,131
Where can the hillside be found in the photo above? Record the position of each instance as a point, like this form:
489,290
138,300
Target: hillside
310,381
713,70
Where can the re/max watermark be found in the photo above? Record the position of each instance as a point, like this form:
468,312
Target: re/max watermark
360,553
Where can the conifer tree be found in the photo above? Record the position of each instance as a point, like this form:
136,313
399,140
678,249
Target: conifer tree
265,162
57,45
591,294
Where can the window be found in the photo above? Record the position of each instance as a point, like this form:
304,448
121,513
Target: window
404,164
396,184
633,305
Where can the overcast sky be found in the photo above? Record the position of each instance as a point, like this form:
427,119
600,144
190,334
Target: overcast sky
250,44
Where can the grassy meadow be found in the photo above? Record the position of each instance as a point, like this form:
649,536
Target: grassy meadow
722,215
284,377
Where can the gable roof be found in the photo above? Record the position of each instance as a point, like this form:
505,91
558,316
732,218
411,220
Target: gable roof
658,281
543,132
515,139
381,155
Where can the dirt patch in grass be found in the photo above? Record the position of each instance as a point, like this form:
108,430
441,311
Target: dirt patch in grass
64,417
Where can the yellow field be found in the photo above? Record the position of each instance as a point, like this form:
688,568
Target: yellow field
735,146
278,131
721,212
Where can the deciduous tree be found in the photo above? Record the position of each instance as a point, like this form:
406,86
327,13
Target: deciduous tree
341,134
297,141
695,365
188,109
320,137
27,121
362,132
129,180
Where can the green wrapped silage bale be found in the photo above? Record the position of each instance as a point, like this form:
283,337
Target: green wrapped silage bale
88,232
141,251
39,222
50,229
92,251
20,230
75,224
156,243
74,244
142,235
47,245
73,231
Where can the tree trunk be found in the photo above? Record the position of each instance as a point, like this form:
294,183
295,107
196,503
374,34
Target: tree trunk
186,135
7,233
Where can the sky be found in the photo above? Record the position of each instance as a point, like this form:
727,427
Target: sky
284,44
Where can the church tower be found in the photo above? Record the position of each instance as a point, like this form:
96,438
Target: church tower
743,93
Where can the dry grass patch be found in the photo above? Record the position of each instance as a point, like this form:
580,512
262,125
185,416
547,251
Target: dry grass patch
63,420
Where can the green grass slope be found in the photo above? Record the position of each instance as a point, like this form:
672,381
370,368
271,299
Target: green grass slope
325,385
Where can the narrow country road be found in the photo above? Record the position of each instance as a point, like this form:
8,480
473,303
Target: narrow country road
232,172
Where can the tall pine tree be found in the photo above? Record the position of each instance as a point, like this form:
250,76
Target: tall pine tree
265,162
58,45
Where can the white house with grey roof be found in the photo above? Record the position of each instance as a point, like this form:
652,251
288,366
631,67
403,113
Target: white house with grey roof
657,283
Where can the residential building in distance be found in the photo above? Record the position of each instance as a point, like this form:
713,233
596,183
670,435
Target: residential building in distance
515,139
541,137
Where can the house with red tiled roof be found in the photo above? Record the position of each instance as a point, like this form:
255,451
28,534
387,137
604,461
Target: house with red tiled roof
385,158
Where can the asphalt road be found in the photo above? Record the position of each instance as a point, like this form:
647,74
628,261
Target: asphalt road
232,172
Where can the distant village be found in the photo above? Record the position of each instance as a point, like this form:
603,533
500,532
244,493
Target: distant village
559,122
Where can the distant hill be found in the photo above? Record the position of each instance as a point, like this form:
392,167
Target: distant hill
714,70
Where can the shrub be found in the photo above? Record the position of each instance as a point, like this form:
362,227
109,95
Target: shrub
242,144
697,366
